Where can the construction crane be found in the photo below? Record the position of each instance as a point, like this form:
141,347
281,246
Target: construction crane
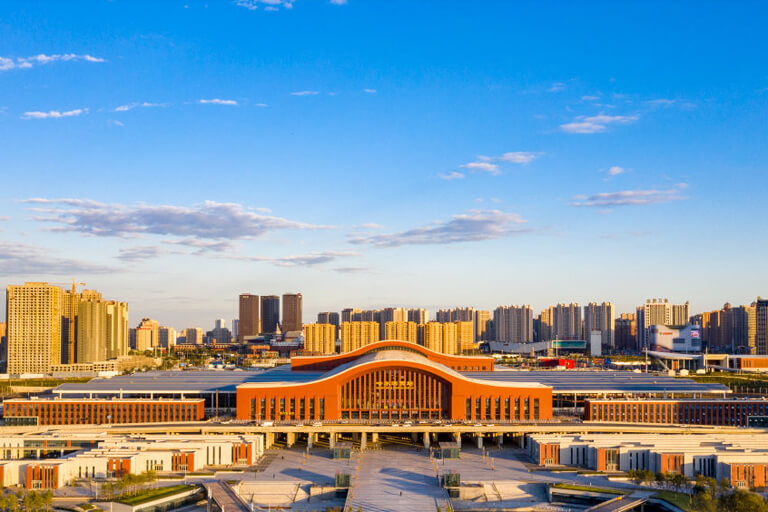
71,320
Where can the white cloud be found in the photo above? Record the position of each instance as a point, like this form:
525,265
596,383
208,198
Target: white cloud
518,157
207,221
261,105
595,124
590,98
115,122
370,91
556,87
339,2
305,93
453,175
473,226
217,101
616,170
487,163
661,102
482,167
145,104
629,197
9,63
54,114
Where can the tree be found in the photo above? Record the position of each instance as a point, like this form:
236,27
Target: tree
3,502
741,501
47,499
13,502
704,502
679,481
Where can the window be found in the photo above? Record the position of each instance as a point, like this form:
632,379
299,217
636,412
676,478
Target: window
272,411
526,408
322,408
506,409
517,408
469,408
487,408
535,408
477,409
301,408
497,408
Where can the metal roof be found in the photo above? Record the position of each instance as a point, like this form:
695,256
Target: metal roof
588,381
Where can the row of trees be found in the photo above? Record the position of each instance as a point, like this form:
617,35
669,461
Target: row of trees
32,501
129,484
706,494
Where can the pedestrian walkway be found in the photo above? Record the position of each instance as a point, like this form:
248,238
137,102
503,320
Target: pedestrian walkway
225,497
394,480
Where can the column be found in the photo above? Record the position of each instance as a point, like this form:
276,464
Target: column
414,437
269,441
426,440
374,437
500,440
310,440
363,439
290,439
479,441
332,440
457,438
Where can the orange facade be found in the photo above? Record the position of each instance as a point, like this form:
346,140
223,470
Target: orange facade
748,476
242,453
397,387
329,362
98,411
42,476
690,412
117,468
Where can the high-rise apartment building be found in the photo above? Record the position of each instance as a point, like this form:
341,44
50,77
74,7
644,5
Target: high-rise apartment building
659,312
450,343
249,322
270,314
403,331
166,337
33,314
566,322
193,336
626,331
292,311
513,324
483,325
320,338
465,336
730,329
600,317
330,317
761,326
543,325
118,342
91,330
358,334
391,315
442,337
236,328
418,315
351,314
147,335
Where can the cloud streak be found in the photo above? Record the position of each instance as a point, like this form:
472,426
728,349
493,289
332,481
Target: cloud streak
145,104
305,93
473,226
20,259
218,101
54,114
630,197
207,221
595,124
453,175
490,164
10,63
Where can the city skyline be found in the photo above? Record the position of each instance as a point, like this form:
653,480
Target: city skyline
544,156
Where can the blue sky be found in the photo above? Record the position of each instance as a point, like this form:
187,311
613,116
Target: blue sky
373,153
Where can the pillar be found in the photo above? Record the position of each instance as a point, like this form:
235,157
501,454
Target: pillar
290,439
457,438
374,437
414,437
332,440
269,441
500,440
363,439
310,440
479,441
426,440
